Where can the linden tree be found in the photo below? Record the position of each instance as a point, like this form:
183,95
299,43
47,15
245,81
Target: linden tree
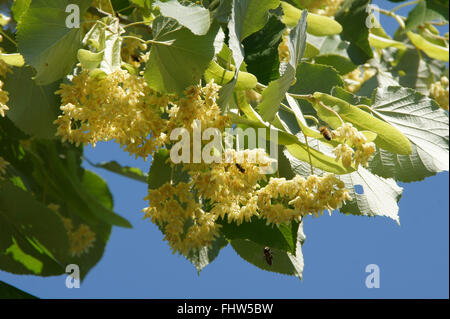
253,114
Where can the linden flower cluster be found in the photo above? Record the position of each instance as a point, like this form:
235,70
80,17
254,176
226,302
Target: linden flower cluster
283,201
81,239
198,106
322,7
118,107
355,79
229,190
230,187
364,150
232,191
439,91
186,225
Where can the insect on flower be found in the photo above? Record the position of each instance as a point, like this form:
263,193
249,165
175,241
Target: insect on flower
240,168
326,133
268,255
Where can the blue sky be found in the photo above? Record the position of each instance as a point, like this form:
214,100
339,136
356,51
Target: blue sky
413,258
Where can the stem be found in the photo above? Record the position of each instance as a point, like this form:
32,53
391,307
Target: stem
287,108
331,110
7,37
362,106
111,7
100,13
307,97
393,15
309,154
213,4
124,9
135,24
404,5
312,118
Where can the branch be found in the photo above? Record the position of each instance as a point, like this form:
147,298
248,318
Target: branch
102,14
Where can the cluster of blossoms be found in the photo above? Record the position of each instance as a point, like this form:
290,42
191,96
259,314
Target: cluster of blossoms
80,239
355,79
349,134
322,7
3,164
283,201
121,107
439,91
188,211
4,69
232,191
118,107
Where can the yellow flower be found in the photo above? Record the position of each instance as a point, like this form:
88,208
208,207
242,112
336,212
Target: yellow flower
349,134
440,91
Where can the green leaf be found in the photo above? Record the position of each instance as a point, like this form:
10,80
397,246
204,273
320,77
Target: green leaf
33,108
379,196
432,50
194,17
46,42
424,123
161,171
283,237
275,93
98,197
315,78
11,292
127,171
426,11
105,37
261,51
247,17
253,15
353,16
33,239
178,58
317,25
19,7
413,71
283,262
388,137
439,7
203,257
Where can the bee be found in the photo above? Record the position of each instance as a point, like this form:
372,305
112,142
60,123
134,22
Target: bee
268,255
240,168
326,133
